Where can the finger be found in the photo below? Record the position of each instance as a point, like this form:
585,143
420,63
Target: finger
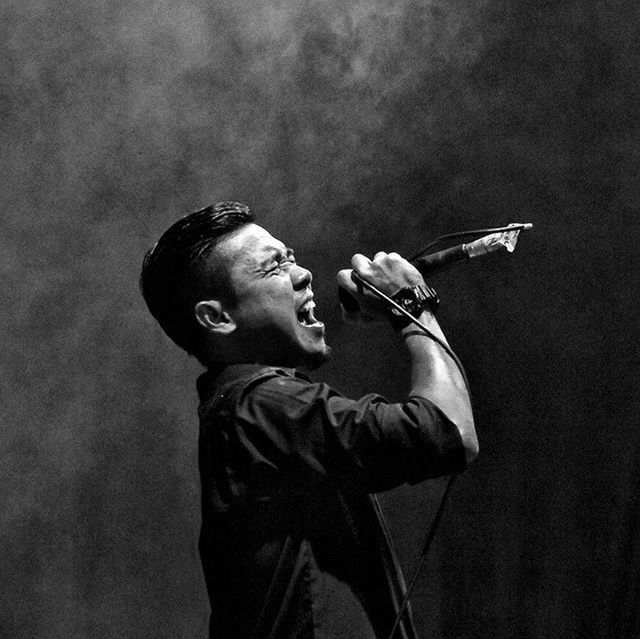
344,279
379,256
360,263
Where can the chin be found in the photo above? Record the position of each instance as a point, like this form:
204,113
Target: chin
315,360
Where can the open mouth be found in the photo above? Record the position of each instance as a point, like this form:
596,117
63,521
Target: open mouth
305,315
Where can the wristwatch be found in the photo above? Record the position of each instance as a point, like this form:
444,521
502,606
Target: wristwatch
414,300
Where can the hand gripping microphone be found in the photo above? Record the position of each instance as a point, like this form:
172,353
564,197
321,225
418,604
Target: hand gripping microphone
498,238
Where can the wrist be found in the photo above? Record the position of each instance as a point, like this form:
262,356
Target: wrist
414,300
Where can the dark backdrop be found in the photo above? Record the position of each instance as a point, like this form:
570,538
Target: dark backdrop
348,126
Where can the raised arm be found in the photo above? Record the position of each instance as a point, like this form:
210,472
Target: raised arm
434,374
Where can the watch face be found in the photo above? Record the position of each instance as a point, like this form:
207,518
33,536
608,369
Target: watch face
415,299
408,299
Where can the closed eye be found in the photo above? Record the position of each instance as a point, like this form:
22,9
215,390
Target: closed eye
282,260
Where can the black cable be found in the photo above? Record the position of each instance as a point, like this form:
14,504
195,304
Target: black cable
371,288
454,357
423,556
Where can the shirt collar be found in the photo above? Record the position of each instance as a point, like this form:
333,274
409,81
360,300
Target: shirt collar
216,377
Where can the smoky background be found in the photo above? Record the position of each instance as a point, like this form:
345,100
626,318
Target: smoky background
348,127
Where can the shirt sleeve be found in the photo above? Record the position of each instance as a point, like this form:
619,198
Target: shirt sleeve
317,434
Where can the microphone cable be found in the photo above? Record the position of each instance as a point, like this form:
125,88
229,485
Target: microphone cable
423,555
447,349
378,293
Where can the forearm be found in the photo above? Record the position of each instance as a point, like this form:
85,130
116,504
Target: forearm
434,373
436,377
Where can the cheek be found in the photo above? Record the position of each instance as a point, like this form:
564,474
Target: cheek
268,304
278,299
271,309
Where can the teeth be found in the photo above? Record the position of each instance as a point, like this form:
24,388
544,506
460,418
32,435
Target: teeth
305,313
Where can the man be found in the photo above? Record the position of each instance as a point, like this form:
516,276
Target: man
293,544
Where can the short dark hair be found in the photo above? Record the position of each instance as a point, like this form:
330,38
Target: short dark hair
178,271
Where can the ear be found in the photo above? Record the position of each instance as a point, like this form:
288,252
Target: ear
212,316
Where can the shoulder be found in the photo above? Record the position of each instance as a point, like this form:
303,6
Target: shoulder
241,383
284,391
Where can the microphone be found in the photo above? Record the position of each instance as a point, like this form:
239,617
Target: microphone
506,238
430,264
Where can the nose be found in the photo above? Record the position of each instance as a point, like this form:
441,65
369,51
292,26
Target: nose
300,277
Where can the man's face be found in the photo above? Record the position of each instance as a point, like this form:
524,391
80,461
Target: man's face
274,305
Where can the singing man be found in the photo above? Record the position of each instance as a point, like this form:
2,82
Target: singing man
293,545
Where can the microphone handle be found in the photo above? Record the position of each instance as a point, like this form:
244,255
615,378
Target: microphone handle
442,259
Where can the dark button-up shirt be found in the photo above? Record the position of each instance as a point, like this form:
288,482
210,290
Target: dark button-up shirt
293,544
